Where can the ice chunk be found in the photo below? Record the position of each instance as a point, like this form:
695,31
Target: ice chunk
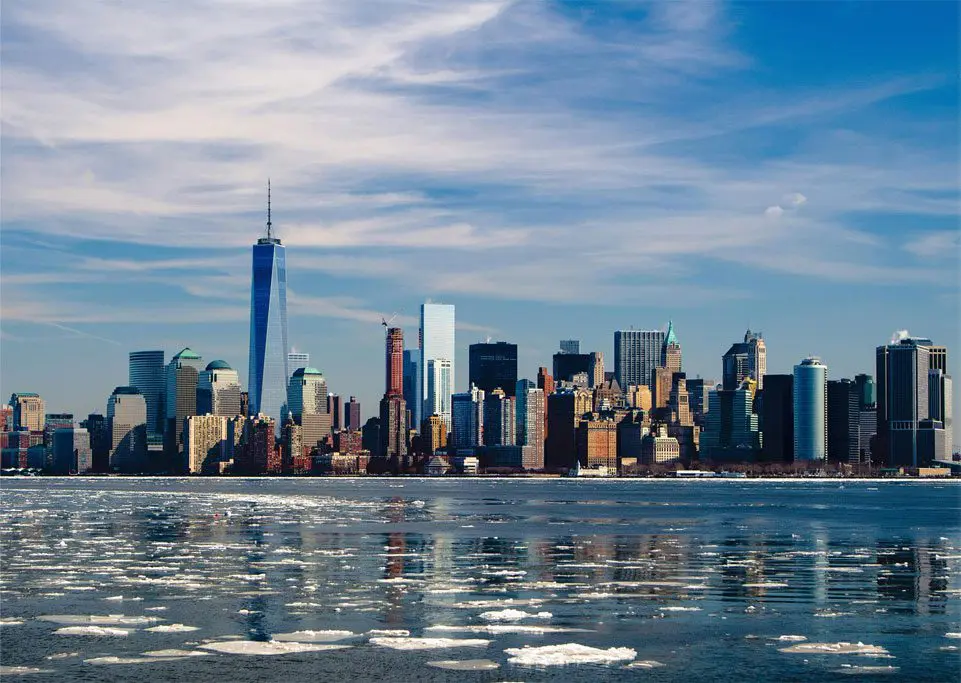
172,628
22,670
952,635
644,664
513,615
270,647
765,584
127,660
569,653
677,608
98,619
841,648
10,621
389,632
869,670
176,653
92,631
498,629
465,664
313,636
791,639
401,643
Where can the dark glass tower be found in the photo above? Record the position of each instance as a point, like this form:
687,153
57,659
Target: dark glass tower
268,371
146,372
493,365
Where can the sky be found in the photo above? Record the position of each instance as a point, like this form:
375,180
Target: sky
554,169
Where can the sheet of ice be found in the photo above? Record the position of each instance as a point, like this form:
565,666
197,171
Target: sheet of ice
172,628
91,631
791,639
10,621
952,635
505,602
465,664
569,653
402,643
644,664
22,670
867,670
765,584
112,659
389,632
513,615
98,619
841,648
269,647
678,608
176,653
63,655
328,636
498,629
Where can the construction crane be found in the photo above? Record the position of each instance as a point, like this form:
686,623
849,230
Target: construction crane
386,323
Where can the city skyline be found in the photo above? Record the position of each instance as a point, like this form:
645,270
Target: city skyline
722,182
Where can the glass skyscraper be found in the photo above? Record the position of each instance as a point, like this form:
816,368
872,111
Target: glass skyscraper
436,343
268,369
810,410
147,373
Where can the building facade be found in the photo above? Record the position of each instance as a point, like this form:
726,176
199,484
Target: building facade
437,339
146,372
205,441
183,376
530,406
636,354
810,410
28,411
467,415
440,374
777,418
500,419
71,451
127,425
218,390
493,365
747,359
352,415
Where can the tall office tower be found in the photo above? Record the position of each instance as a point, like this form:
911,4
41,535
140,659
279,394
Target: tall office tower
902,385
639,396
467,419
595,377
745,359
205,440
530,423
352,414
297,359
96,426
867,416
937,357
679,402
940,408
569,365
671,350
370,438
394,362
500,419
183,375
393,427
867,391
307,402
636,354
27,411
777,418
843,416
697,391
565,408
731,431
434,431
810,410
570,346
293,459
436,343
439,387
662,379
218,390
71,451
127,425
51,423
146,372
596,439
268,370
411,377
493,365
545,382
335,408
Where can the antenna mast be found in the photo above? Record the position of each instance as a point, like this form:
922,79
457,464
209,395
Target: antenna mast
268,208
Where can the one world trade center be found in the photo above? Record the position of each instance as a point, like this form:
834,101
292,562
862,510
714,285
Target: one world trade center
267,376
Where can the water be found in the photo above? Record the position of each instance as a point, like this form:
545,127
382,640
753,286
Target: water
688,580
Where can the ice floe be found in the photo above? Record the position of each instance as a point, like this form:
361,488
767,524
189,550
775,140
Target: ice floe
22,670
679,609
465,664
92,631
498,629
513,615
952,635
10,621
569,653
868,670
172,628
98,619
268,647
841,648
402,643
176,653
791,639
644,664
327,636
389,632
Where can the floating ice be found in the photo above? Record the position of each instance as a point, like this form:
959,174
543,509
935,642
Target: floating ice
791,639
465,664
388,632
10,621
869,670
952,635
401,643
831,614
569,653
498,629
176,653
22,670
841,648
644,664
313,636
765,584
506,602
513,615
677,608
270,647
172,628
98,619
91,631
63,655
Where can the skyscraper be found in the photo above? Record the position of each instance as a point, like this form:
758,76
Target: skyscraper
570,346
411,378
440,372
903,397
545,382
530,424
205,440
567,365
500,419
71,451
268,371
940,406
467,419
745,359
335,408
27,411
127,425
394,362
436,342
636,354
671,350
777,418
843,416
218,390
810,410
731,430
595,376
297,359
352,414
307,396
146,372
183,374
493,365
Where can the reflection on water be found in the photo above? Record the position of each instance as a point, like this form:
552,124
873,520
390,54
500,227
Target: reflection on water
702,577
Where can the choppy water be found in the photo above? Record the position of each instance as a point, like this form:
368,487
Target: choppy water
269,579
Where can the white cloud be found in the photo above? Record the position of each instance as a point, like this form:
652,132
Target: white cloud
773,211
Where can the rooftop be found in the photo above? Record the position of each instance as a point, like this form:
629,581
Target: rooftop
186,353
126,390
300,372
218,365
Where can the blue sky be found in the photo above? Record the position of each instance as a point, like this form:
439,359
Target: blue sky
556,170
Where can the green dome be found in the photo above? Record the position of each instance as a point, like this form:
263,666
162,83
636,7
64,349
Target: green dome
218,365
301,372
187,354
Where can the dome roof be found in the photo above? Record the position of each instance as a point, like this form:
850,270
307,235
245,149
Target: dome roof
301,372
126,390
218,365
187,354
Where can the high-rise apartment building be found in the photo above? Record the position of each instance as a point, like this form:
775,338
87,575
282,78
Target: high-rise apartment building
335,408
493,365
500,419
436,343
529,421
440,373
28,412
394,362
268,370
127,425
146,372
747,359
810,410
352,415
218,390
777,418
844,417
205,439
467,419
393,427
636,354
182,377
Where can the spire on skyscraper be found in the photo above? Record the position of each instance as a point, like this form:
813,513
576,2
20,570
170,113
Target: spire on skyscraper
268,208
